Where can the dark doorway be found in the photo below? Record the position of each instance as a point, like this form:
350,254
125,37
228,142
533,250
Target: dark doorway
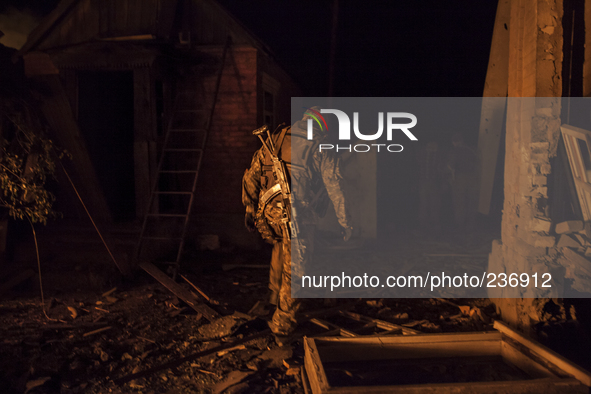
105,116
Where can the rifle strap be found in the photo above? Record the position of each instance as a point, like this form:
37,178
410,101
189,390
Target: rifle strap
280,141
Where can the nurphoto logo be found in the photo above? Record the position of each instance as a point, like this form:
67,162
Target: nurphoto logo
345,129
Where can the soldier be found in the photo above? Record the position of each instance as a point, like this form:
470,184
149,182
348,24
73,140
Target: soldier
308,170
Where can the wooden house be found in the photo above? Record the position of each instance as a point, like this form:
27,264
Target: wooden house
119,73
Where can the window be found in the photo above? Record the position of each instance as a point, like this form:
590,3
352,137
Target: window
270,91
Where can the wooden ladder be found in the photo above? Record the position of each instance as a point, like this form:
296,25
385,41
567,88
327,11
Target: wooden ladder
166,221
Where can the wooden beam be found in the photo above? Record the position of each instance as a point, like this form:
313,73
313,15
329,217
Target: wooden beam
144,133
179,291
47,25
493,104
57,111
554,358
384,325
80,172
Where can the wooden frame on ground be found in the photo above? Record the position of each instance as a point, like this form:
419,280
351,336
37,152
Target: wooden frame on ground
548,372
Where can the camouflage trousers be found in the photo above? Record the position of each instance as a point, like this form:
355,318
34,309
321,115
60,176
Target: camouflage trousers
284,319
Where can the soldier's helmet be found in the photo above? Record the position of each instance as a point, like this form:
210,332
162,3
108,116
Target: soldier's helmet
311,112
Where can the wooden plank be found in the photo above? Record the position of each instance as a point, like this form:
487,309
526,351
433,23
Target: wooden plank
427,338
179,291
384,325
493,104
556,359
144,133
91,20
381,350
523,362
330,326
58,113
47,25
104,19
166,14
314,367
70,82
141,159
535,386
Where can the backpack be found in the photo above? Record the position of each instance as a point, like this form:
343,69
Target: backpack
270,209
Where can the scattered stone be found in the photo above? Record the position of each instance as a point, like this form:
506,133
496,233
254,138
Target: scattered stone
570,226
541,225
293,371
108,293
73,312
36,383
544,242
289,363
226,351
232,378
219,328
567,241
581,239
275,356
375,304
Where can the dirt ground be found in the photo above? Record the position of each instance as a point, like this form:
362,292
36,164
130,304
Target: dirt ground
92,341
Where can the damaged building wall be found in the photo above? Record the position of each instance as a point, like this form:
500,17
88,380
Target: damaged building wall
532,135
170,47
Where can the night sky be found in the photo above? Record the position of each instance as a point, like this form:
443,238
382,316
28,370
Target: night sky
384,47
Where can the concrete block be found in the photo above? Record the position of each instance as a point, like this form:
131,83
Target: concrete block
525,249
570,226
541,157
538,147
541,225
566,241
540,180
574,260
544,242
537,191
581,239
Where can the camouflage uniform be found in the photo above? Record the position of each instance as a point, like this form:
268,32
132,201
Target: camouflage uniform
308,172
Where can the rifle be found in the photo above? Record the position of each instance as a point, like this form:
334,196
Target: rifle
288,223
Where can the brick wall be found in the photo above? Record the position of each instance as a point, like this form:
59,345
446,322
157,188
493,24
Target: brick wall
218,207
532,133
231,144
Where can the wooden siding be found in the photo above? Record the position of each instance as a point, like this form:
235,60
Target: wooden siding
89,20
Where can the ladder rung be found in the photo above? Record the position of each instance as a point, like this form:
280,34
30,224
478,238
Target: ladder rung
178,172
159,192
170,215
182,150
162,238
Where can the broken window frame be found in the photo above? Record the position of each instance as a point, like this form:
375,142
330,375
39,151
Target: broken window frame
547,370
581,173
